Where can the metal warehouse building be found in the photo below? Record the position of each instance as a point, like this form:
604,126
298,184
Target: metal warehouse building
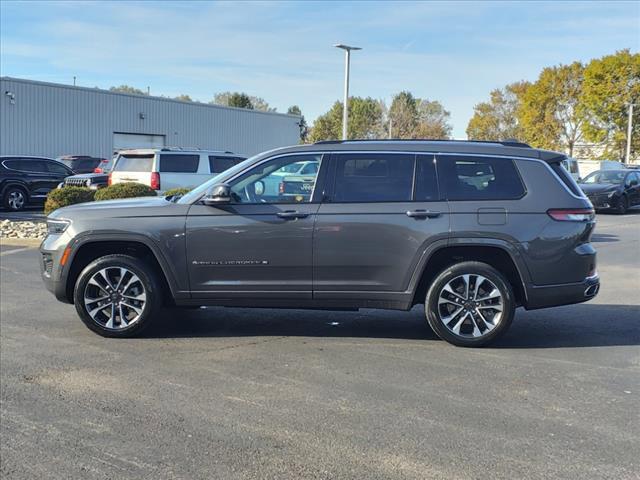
38,118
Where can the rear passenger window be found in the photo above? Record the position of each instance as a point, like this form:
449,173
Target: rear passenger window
220,164
179,163
373,177
479,178
426,180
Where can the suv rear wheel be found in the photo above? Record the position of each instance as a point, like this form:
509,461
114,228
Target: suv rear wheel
470,304
117,296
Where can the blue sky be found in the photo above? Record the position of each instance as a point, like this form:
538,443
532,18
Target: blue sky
454,52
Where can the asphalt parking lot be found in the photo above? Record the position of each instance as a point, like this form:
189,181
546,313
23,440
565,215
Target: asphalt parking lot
239,393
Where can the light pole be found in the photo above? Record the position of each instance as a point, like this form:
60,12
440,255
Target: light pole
629,130
345,112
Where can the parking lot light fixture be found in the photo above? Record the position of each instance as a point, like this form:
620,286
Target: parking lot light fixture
345,112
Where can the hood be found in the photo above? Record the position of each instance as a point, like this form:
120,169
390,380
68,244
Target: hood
127,207
591,188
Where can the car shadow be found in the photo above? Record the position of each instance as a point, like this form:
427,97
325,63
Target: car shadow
583,325
604,238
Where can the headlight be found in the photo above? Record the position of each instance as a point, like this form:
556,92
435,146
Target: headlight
56,227
88,182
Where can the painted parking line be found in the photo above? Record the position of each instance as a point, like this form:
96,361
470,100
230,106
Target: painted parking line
15,250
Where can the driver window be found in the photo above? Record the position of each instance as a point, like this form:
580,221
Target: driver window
288,179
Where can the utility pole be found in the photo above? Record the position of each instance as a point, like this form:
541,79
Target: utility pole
345,106
629,130
390,126
74,80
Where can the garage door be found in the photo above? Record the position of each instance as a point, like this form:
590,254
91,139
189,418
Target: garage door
137,140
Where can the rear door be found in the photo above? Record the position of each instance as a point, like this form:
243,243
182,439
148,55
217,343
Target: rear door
382,210
41,181
133,168
632,187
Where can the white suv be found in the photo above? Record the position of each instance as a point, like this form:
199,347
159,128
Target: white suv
166,168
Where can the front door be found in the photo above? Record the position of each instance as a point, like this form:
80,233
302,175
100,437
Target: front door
378,220
261,243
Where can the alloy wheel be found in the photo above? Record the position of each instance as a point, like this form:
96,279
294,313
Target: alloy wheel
15,200
115,298
470,306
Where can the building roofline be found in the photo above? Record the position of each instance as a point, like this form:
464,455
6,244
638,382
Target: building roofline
144,97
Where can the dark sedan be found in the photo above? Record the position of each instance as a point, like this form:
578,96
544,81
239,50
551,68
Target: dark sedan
612,189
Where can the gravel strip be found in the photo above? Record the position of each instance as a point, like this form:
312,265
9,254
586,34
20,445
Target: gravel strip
24,229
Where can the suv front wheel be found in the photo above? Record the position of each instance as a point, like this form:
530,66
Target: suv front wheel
117,296
470,304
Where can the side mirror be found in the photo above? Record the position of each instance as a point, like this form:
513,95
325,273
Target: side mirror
219,194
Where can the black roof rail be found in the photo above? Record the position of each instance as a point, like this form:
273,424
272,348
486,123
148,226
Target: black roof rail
506,143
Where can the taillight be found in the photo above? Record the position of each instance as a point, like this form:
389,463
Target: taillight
97,170
572,214
109,180
155,180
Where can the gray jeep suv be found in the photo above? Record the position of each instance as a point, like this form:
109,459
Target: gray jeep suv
471,230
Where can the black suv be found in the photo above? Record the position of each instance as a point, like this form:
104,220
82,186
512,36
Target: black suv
470,230
26,179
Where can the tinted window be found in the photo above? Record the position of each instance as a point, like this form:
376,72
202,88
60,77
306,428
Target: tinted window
30,165
57,168
373,177
12,164
179,163
426,181
134,163
220,164
480,178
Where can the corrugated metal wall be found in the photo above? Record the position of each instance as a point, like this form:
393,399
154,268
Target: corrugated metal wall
52,120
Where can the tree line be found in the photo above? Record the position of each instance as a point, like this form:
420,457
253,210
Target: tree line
567,105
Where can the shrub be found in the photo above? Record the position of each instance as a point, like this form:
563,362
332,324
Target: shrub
125,190
177,191
62,197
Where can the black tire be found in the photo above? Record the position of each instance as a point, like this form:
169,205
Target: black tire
455,273
15,198
148,281
623,205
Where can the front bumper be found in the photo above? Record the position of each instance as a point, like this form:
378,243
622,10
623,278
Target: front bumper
603,202
53,274
563,294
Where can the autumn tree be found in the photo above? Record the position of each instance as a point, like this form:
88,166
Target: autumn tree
550,113
242,100
433,120
403,115
497,119
610,84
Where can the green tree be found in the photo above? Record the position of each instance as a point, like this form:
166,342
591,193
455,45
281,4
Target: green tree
304,129
127,89
403,115
550,113
497,119
183,98
365,120
610,84
237,99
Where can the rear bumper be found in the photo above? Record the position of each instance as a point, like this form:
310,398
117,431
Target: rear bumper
563,294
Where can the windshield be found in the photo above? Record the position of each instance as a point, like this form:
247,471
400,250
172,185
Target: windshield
604,177
197,192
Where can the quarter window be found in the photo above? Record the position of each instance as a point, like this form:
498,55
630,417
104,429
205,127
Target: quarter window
59,169
220,164
479,178
179,163
373,177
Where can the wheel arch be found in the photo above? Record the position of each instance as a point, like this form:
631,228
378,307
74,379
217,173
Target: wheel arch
499,254
86,249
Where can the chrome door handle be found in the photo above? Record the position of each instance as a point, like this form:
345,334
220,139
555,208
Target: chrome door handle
423,214
290,214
